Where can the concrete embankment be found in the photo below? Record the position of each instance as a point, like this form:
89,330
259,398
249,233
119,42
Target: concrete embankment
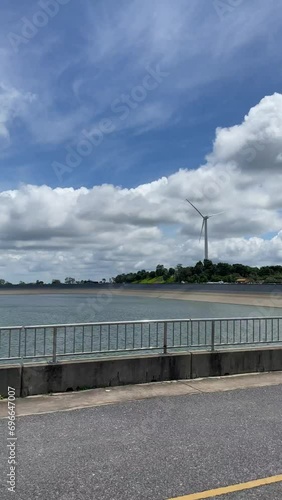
263,296
32,379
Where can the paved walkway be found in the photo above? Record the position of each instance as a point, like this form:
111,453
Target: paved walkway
114,395
155,442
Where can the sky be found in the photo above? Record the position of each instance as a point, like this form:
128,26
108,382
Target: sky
113,113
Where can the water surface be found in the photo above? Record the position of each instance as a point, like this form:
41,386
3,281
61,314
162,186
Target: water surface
75,308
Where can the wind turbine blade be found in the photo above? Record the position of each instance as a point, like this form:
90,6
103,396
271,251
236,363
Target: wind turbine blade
195,207
202,230
218,213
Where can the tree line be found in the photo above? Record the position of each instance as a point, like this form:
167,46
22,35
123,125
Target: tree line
54,282
204,272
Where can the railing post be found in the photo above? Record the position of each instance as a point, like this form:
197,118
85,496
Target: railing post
212,335
165,338
55,344
22,335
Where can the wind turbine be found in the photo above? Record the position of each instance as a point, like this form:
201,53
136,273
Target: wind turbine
204,227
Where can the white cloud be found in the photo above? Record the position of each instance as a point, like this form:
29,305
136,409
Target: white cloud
256,141
108,229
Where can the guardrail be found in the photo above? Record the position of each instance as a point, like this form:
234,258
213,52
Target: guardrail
68,341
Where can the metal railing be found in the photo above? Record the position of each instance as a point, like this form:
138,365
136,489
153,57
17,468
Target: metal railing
68,341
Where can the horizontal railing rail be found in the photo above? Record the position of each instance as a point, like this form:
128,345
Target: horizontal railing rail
68,341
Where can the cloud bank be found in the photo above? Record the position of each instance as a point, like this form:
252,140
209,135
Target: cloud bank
99,232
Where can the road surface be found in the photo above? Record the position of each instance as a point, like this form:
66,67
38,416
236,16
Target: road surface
155,448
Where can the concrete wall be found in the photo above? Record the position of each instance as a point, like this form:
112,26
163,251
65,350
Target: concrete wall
68,376
216,364
34,379
10,376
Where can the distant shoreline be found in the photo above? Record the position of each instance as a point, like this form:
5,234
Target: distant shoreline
268,299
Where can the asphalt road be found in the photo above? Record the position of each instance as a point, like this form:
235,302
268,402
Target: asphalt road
151,449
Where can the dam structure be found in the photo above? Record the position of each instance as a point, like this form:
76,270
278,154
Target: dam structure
40,359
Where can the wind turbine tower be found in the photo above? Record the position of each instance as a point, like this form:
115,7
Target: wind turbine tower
204,227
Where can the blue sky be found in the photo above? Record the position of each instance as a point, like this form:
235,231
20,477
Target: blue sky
90,53
173,96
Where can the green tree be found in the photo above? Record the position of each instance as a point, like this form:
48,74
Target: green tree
159,270
56,282
209,268
179,273
69,281
223,269
199,267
